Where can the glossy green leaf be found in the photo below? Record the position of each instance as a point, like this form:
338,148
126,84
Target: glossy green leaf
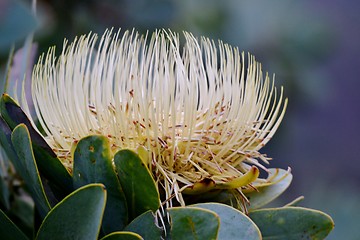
145,226
266,194
48,163
8,230
26,166
123,236
77,216
93,164
138,185
233,223
193,223
292,223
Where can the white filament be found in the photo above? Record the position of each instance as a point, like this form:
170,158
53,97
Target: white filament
197,109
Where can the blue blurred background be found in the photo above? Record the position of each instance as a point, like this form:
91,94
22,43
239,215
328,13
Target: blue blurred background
312,46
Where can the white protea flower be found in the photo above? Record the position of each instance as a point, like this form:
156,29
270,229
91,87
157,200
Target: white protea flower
200,112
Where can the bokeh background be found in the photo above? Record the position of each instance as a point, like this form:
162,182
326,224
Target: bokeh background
312,46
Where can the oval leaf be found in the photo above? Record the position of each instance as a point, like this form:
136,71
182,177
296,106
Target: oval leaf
78,216
145,226
266,194
25,165
48,163
233,223
139,187
123,236
93,164
193,223
289,223
8,230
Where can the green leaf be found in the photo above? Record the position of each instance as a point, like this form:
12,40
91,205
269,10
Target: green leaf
8,230
48,163
267,194
233,223
11,112
139,187
93,164
5,139
25,165
193,223
289,223
145,226
123,236
77,216
52,169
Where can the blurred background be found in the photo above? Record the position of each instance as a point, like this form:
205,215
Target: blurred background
312,46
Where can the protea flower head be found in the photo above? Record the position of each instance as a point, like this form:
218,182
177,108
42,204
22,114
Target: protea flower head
198,113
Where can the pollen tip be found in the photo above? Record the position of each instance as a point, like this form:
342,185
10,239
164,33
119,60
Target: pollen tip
254,170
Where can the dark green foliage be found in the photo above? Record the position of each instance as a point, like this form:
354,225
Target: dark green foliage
233,223
78,216
47,162
193,223
93,164
123,236
151,231
25,165
295,223
137,182
9,230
